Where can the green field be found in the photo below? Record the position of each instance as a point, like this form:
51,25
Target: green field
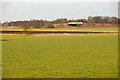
60,56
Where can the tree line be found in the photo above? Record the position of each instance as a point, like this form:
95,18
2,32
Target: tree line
49,24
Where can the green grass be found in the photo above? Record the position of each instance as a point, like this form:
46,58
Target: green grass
70,29
0,58
60,56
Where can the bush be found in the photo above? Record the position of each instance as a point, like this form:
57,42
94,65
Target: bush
50,25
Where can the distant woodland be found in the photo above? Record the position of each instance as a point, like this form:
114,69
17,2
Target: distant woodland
91,21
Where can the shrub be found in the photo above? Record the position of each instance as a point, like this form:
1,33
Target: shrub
50,25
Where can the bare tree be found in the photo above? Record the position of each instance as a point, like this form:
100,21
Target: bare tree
26,27
91,22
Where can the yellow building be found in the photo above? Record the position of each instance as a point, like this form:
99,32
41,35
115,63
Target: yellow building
75,23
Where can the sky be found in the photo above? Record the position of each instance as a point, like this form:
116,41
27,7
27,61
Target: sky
15,11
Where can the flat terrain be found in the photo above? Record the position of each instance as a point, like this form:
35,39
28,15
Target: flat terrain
0,65
68,29
60,56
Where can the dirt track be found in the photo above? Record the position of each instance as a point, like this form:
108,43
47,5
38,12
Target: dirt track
55,32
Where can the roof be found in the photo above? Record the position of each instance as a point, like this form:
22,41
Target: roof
75,22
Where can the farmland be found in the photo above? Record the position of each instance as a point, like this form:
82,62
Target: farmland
60,56
66,29
59,40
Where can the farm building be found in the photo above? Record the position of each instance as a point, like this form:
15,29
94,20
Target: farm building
78,24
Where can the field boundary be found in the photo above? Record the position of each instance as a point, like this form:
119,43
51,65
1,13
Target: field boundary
59,32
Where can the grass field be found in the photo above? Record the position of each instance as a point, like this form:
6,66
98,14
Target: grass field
60,56
0,63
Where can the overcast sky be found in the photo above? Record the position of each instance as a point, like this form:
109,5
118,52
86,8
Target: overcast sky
13,11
